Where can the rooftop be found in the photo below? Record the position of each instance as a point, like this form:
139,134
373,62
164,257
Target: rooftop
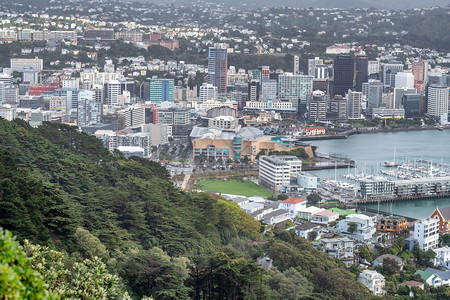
293,201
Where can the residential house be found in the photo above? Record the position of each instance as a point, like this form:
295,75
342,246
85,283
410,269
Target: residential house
293,205
305,229
412,283
340,248
365,227
308,213
431,277
240,200
259,214
379,260
276,216
325,217
444,275
251,207
392,224
442,258
443,214
373,281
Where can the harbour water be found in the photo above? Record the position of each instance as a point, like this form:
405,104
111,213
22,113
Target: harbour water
370,151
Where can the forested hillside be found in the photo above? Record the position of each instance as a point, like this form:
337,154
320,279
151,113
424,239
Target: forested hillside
62,189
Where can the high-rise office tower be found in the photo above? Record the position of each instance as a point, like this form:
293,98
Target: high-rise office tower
98,93
404,80
354,100
337,109
390,69
321,72
411,104
398,95
437,100
253,90
161,90
112,92
265,73
269,89
294,86
208,92
343,74
217,67
374,94
89,110
373,69
296,65
312,63
361,72
317,104
419,71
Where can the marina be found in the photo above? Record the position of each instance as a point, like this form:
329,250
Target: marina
414,165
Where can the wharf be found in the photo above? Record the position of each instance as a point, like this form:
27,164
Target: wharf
404,198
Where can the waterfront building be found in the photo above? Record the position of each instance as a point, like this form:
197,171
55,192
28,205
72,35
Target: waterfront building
308,181
343,74
361,71
313,131
161,90
388,113
354,100
426,232
374,281
217,67
437,100
398,95
412,105
443,215
422,187
275,172
392,224
390,69
376,188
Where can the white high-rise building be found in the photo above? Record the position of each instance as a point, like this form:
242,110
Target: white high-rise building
390,69
17,64
113,92
312,63
73,83
373,67
89,110
277,171
426,232
321,72
208,92
404,80
296,65
269,89
354,101
437,100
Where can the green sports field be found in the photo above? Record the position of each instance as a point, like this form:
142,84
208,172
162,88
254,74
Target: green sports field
243,188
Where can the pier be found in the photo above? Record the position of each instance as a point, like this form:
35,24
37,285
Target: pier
402,198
